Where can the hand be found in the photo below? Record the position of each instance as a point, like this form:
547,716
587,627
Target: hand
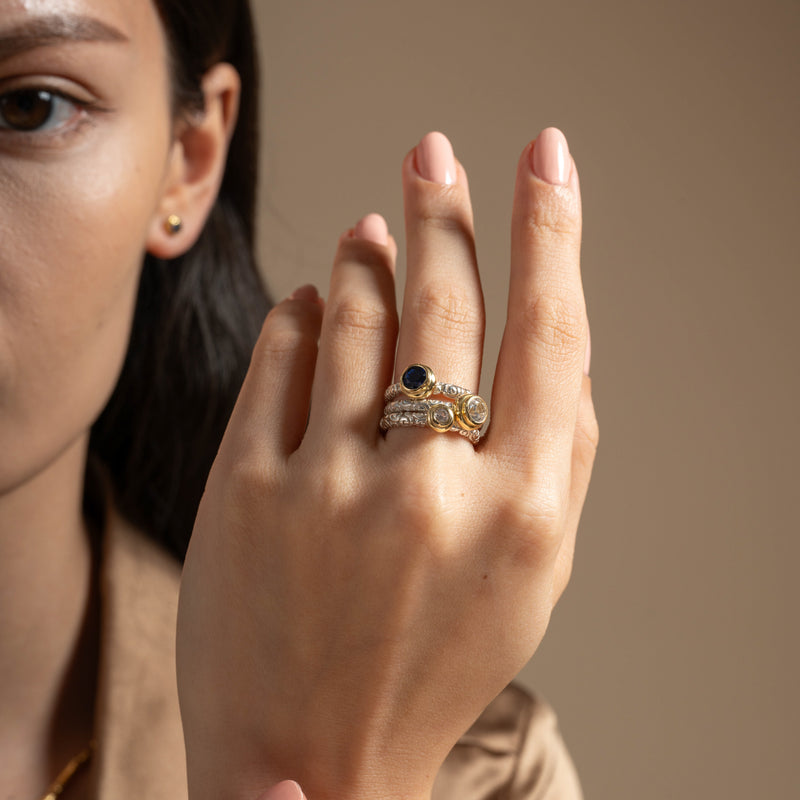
351,601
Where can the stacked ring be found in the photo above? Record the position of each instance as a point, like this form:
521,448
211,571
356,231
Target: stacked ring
459,410
418,381
425,419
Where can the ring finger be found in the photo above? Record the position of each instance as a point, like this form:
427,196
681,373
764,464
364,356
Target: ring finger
442,321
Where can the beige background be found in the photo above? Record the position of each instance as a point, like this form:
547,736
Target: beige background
673,658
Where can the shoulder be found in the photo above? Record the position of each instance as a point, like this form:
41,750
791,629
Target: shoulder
513,750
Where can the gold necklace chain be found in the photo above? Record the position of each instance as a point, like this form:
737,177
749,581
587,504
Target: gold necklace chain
66,774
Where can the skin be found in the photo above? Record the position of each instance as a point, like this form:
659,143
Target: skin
379,571
298,535
82,199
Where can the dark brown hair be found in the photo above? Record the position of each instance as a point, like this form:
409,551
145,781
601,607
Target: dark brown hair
197,316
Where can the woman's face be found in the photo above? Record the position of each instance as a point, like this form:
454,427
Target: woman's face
85,140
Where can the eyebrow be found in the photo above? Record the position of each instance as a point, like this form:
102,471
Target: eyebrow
55,29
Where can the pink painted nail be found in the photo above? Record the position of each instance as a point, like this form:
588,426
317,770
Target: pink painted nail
372,228
551,161
285,790
435,159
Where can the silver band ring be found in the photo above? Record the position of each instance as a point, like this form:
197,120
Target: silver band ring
470,410
422,419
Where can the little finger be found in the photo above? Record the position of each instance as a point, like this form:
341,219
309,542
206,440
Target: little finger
358,336
270,415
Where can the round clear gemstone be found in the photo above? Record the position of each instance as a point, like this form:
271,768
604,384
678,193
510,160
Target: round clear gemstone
442,416
477,410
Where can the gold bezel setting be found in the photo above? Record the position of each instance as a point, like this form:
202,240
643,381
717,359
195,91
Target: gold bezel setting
417,381
440,407
472,411
441,417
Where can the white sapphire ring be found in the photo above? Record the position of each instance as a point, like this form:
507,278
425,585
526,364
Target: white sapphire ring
433,404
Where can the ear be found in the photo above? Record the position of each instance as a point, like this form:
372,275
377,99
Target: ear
196,165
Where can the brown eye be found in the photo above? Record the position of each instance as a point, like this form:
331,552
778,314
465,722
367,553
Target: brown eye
31,109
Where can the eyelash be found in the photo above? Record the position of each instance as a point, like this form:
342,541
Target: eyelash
79,116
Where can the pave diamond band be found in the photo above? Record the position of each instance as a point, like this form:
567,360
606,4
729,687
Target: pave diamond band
426,402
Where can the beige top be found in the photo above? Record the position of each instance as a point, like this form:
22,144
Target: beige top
514,750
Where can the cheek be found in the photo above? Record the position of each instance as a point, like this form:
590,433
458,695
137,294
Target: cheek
73,233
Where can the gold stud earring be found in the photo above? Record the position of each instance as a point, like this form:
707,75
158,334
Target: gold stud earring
172,224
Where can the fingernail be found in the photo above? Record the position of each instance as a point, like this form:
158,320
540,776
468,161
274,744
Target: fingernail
435,159
551,161
588,357
372,228
308,292
285,790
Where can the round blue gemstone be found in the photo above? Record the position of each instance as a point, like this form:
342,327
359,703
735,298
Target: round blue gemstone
414,378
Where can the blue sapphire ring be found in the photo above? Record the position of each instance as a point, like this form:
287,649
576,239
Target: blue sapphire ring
417,381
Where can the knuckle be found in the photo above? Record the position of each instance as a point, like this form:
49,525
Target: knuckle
438,208
330,477
452,306
587,429
534,511
360,317
419,504
556,324
564,564
245,486
426,514
365,254
284,342
327,489
533,525
284,332
435,218
587,434
557,217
